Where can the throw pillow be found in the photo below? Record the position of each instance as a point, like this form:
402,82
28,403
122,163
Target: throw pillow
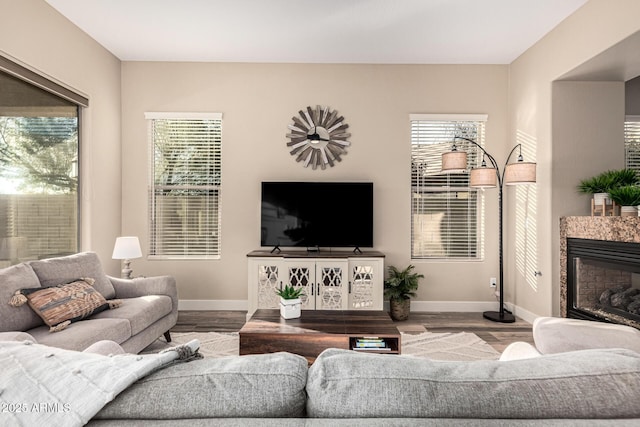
61,305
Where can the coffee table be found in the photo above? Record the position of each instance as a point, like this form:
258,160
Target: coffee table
315,331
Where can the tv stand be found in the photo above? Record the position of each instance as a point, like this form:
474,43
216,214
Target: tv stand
357,250
331,280
276,249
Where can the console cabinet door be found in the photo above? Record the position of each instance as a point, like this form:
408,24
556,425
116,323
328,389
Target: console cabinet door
265,278
366,284
301,273
331,285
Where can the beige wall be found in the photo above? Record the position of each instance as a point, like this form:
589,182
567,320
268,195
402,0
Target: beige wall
585,36
37,36
587,125
258,101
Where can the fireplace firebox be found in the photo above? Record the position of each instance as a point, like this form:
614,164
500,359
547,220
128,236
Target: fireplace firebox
603,281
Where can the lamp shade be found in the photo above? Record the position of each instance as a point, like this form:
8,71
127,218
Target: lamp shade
520,173
483,178
127,247
454,161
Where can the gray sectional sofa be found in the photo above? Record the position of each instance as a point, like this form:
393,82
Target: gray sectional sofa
580,373
342,387
149,305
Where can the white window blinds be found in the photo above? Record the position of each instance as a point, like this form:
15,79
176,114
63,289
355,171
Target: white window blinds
446,219
632,142
184,190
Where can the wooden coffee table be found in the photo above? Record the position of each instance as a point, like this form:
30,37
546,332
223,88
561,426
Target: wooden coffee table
315,331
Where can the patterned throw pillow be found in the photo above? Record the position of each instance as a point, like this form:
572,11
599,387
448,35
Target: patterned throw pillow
61,305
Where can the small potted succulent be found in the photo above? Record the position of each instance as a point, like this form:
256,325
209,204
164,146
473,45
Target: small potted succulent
400,287
290,301
628,197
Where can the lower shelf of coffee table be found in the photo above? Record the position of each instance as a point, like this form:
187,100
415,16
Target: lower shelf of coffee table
390,345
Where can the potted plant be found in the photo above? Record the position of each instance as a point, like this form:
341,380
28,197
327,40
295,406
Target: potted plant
399,287
601,185
628,197
290,301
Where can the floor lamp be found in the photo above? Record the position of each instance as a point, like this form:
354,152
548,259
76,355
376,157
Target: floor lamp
520,172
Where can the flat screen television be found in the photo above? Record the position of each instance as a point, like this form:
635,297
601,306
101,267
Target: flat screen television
317,214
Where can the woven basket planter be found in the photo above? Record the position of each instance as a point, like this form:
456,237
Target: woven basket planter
400,309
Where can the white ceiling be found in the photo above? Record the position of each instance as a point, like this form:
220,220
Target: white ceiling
318,31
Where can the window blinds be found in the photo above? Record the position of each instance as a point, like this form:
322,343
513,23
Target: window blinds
184,190
445,219
632,142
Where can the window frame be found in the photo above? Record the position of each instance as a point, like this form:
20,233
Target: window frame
632,142
425,128
214,158
31,77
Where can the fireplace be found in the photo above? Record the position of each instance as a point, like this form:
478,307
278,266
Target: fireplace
603,280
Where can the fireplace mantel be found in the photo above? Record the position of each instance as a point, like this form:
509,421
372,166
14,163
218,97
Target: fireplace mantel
611,228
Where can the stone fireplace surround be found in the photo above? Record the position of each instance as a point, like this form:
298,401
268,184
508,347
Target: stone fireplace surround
611,229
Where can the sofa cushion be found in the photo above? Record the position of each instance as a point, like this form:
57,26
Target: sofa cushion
140,312
264,385
80,335
64,304
17,318
583,384
55,271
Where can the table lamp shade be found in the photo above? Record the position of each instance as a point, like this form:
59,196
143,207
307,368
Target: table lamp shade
520,173
127,247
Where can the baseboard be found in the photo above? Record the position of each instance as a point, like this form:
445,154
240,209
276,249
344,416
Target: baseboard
453,306
525,315
212,304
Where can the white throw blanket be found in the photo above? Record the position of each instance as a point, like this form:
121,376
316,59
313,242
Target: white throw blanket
47,386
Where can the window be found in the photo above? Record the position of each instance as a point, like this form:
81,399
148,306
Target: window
38,167
632,142
446,214
184,190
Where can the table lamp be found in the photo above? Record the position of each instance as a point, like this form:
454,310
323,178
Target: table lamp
127,248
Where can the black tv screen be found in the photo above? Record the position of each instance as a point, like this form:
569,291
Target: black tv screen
317,214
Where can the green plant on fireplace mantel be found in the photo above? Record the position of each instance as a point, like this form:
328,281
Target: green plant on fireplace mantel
400,287
604,182
629,195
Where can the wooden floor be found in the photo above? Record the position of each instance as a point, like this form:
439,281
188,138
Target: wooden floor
498,335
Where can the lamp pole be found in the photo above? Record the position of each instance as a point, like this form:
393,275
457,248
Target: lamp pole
501,315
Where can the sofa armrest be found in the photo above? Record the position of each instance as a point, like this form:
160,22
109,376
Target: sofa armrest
16,336
519,350
558,335
142,286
